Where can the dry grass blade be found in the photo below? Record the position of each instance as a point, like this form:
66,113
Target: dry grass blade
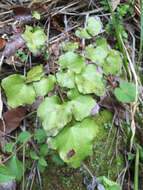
134,104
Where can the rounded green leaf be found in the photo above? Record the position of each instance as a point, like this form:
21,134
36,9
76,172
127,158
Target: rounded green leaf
36,73
23,136
5,174
93,26
113,63
34,37
126,92
72,61
74,143
17,92
90,81
53,115
96,55
82,106
44,86
65,79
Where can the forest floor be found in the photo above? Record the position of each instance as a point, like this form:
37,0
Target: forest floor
39,42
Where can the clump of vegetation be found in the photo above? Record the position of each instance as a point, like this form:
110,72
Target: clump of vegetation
68,99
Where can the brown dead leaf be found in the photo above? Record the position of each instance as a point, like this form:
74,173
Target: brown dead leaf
22,13
2,43
12,47
12,119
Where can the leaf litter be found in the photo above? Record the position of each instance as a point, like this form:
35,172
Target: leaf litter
13,117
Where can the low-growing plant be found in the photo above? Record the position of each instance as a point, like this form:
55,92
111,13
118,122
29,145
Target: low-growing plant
66,119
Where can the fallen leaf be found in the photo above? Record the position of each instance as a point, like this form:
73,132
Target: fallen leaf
2,43
12,119
22,13
12,47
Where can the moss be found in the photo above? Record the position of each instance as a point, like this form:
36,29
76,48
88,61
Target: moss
104,160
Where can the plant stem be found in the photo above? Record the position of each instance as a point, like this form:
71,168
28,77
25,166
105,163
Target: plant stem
136,170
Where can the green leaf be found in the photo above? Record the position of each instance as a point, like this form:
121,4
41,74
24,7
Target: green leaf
72,61
73,93
40,135
9,147
34,155
44,150
65,79
53,115
44,86
42,162
5,174
113,63
108,184
16,167
23,137
74,143
34,37
69,46
96,55
36,15
126,92
17,92
83,34
36,73
82,106
93,26
90,81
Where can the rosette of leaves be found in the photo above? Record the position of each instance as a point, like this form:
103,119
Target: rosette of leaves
55,116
